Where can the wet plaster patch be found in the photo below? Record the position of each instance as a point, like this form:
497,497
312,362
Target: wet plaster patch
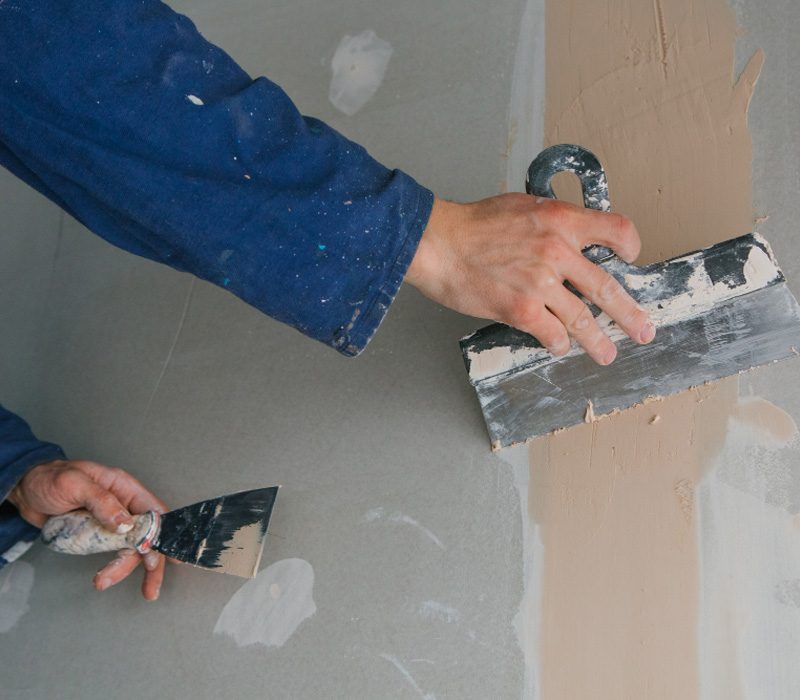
16,583
268,609
614,502
358,67
611,569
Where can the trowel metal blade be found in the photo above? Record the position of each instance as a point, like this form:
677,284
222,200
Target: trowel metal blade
224,534
731,310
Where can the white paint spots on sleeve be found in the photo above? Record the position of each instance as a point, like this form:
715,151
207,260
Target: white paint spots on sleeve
195,100
358,67
268,609
16,582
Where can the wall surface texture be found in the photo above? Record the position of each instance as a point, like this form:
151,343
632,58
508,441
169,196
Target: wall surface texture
626,558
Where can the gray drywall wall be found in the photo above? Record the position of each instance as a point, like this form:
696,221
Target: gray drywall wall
132,364
129,363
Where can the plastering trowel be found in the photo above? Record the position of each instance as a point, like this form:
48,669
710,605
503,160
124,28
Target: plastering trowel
718,311
223,534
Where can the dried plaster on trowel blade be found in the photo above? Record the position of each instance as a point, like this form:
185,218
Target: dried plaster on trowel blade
611,569
268,609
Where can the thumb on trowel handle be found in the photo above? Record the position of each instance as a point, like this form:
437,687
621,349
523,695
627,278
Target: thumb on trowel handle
79,532
568,157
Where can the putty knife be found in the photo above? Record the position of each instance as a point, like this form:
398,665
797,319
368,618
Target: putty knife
718,312
223,534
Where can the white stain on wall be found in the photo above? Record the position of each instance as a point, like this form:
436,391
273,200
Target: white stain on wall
434,610
379,513
16,582
526,109
750,573
268,609
358,67
408,677
530,608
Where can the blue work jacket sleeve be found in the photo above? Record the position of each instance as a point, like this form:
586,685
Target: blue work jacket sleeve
154,138
20,451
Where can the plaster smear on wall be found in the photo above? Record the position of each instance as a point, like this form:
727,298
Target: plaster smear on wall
526,108
16,583
268,609
750,571
380,513
358,67
611,534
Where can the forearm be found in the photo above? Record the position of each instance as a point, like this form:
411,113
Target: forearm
159,142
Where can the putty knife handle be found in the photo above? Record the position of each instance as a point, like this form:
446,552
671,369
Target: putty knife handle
568,157
79,532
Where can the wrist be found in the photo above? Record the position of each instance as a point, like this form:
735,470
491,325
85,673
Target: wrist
431,251
16,496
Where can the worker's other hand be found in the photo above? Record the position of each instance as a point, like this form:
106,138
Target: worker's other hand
506,258
110,494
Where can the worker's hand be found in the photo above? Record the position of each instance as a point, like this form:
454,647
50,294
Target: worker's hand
506,258
111,495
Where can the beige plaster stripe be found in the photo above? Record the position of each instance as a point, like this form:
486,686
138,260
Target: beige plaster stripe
648,87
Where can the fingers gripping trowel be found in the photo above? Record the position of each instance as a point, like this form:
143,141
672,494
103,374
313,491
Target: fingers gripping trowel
223,534
719,311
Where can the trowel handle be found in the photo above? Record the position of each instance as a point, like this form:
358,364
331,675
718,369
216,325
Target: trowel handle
79,532
567,157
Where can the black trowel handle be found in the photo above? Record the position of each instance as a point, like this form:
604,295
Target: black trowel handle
567,157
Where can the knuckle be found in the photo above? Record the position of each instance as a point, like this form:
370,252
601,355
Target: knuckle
66,480
526,314
626,232
551,248
582,322
626,227
117,473
637,316
598,342
518,200
543,279
609,289
555,340
636,321
555,210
